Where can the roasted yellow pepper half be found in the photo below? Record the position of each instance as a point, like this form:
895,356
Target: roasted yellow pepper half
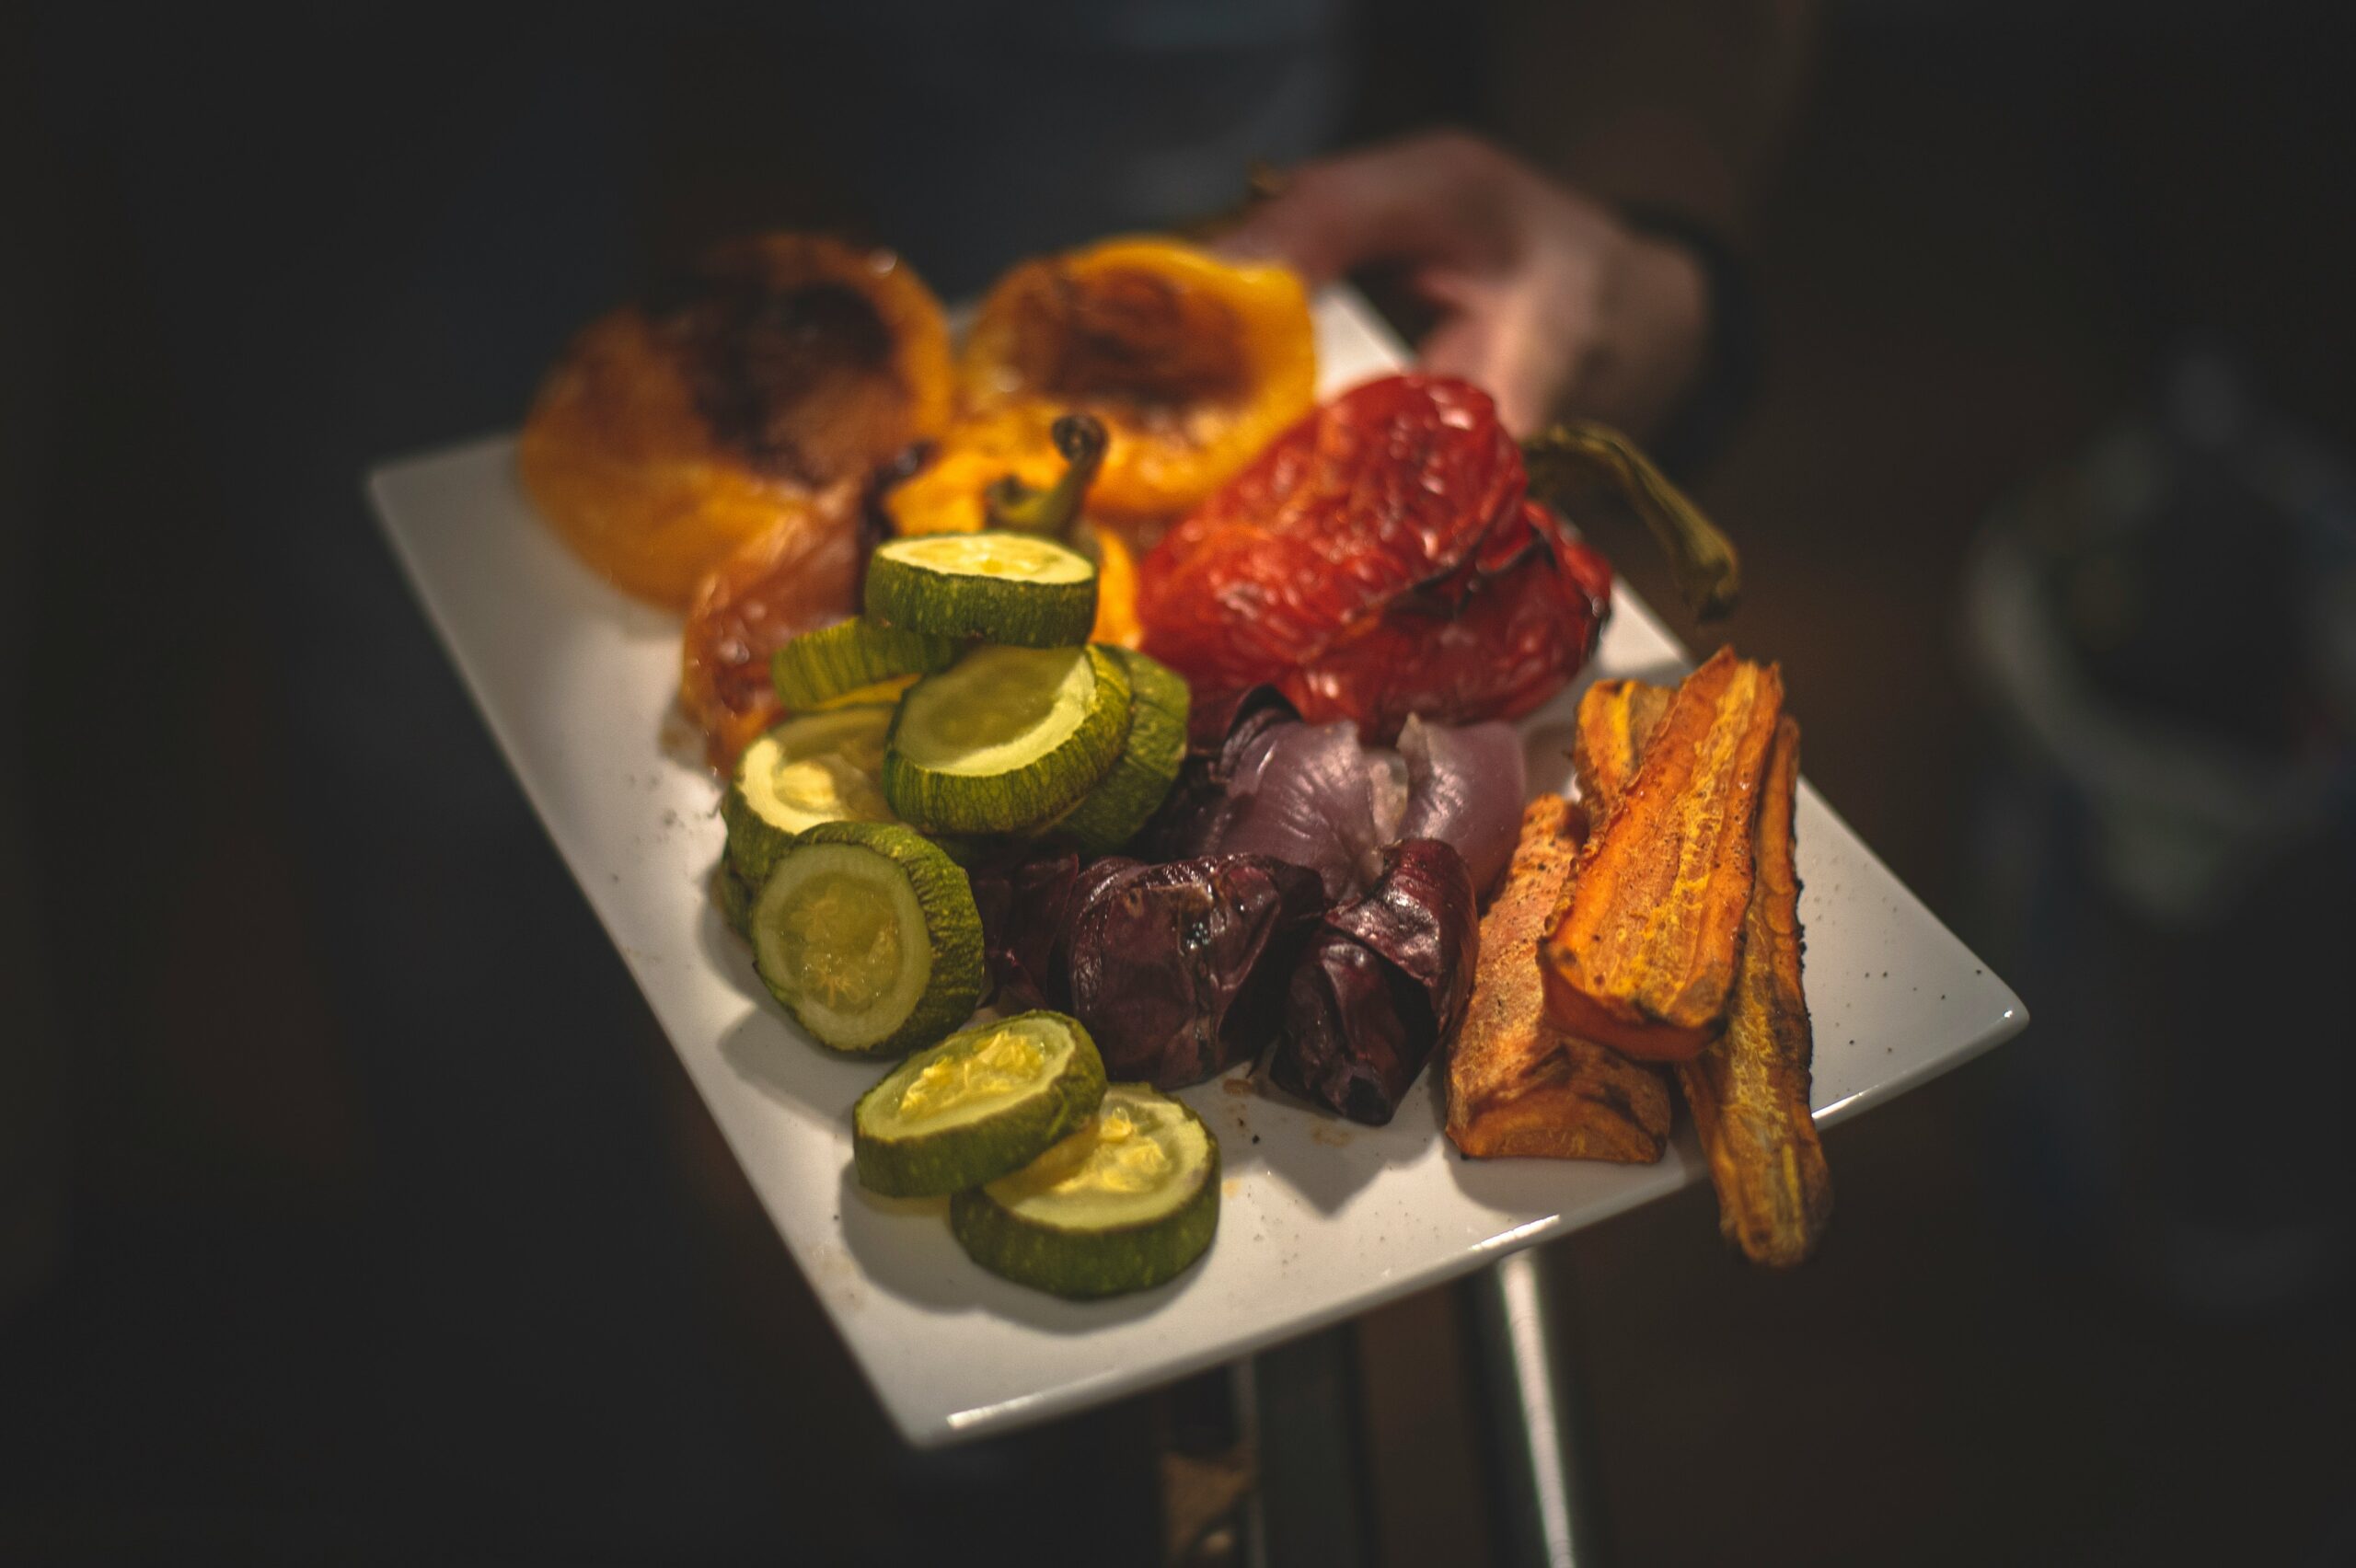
1192,363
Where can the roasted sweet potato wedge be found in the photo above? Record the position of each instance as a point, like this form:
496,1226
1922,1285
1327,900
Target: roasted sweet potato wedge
1515,1084
1615,720
1748,1088
1641,956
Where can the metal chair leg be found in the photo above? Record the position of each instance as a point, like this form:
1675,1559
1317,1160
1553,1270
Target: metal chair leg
1542,1458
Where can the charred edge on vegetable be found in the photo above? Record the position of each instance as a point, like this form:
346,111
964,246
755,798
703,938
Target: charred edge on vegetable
751,351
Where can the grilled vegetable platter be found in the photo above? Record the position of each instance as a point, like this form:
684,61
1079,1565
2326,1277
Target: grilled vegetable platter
737,445
1099,713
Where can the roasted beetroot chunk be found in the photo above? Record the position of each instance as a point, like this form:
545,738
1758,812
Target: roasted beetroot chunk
1025,904
1179,970
1384,982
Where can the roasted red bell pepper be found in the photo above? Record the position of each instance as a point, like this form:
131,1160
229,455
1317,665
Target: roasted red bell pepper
1379,558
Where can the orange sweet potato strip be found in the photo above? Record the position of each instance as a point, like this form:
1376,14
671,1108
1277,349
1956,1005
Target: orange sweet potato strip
1516,1085
1748,1088
1615,720
1642,954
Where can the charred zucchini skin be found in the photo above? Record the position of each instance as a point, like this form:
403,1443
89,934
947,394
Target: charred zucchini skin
953,928
1017,611
949,1159
1029,797
1110,814
820,666
1090,1264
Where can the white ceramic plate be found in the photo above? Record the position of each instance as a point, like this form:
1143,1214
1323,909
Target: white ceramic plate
1321,1218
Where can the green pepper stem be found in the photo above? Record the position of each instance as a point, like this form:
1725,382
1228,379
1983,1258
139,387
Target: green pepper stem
1709,572
1080,438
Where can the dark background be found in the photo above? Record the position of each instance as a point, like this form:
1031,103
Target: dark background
351,1208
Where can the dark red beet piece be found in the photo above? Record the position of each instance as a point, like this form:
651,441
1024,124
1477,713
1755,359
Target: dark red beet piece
1179,970
1024,905
1384,982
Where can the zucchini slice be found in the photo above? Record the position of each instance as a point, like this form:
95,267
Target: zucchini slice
885,692
813,767
1008,739
823,666
986,1100
993,851
734,896
869,935
974,850
1111,813
1017,588
1124,1203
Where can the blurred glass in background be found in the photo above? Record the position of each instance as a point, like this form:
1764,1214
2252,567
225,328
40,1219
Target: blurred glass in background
2166,628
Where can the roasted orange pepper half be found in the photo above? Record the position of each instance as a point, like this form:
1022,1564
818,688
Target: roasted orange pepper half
676,429
1191,362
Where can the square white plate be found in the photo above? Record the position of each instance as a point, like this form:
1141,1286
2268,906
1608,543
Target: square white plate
1321,1218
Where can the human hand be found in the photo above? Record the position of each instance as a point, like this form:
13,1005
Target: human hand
1545,297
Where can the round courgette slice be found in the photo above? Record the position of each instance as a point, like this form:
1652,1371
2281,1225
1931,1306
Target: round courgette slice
1017,588
869,935
887,692
1124,1203
733,896
826,666
986,1100
1010,739
977,850
813,767
1131,790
